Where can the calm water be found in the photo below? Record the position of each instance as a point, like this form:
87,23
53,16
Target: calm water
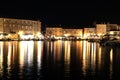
59,60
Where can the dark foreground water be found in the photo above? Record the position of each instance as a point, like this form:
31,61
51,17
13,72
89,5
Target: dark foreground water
59,60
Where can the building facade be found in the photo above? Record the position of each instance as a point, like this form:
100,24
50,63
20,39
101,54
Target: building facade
20,28
73,32
112,27
89,33
53,32
59,33
101,29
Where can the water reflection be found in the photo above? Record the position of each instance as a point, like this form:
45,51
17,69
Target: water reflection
67,58
1,57
98,62
26,56
111,63
85,56
39,53
38,58
17,59
58,60
89,57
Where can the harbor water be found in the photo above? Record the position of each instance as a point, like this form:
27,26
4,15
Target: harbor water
58,60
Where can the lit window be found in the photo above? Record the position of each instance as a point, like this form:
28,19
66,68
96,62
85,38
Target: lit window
4,20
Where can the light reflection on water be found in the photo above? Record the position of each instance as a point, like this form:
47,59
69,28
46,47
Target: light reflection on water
67,58
58,60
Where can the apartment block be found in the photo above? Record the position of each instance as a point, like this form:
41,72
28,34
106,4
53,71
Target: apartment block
101,29
89,32
73,32
51,31
20,28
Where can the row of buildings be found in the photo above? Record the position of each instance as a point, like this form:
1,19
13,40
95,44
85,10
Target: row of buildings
20,29
84,33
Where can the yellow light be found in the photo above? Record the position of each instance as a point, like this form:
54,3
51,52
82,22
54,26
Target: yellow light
85,56
26,53
39,53
20,32
66,35
1,36
8,34
38,33
67,58
85,35
99,34
27,36
1,55
111,55
111,32
23,49
9,53
30,47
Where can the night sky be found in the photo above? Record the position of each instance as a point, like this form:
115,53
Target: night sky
66,12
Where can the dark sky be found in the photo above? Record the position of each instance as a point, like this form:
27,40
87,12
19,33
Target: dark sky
66,12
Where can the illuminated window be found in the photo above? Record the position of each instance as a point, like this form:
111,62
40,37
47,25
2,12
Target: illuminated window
25,27
30,27
5,25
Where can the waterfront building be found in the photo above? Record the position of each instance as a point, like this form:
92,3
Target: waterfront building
20,28
102,29
73,33
89,33
112,27
53,32
60,33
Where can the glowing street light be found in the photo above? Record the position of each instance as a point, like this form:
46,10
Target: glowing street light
20,32
66,35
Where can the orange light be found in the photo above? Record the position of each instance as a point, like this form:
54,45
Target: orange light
66,35
20,32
